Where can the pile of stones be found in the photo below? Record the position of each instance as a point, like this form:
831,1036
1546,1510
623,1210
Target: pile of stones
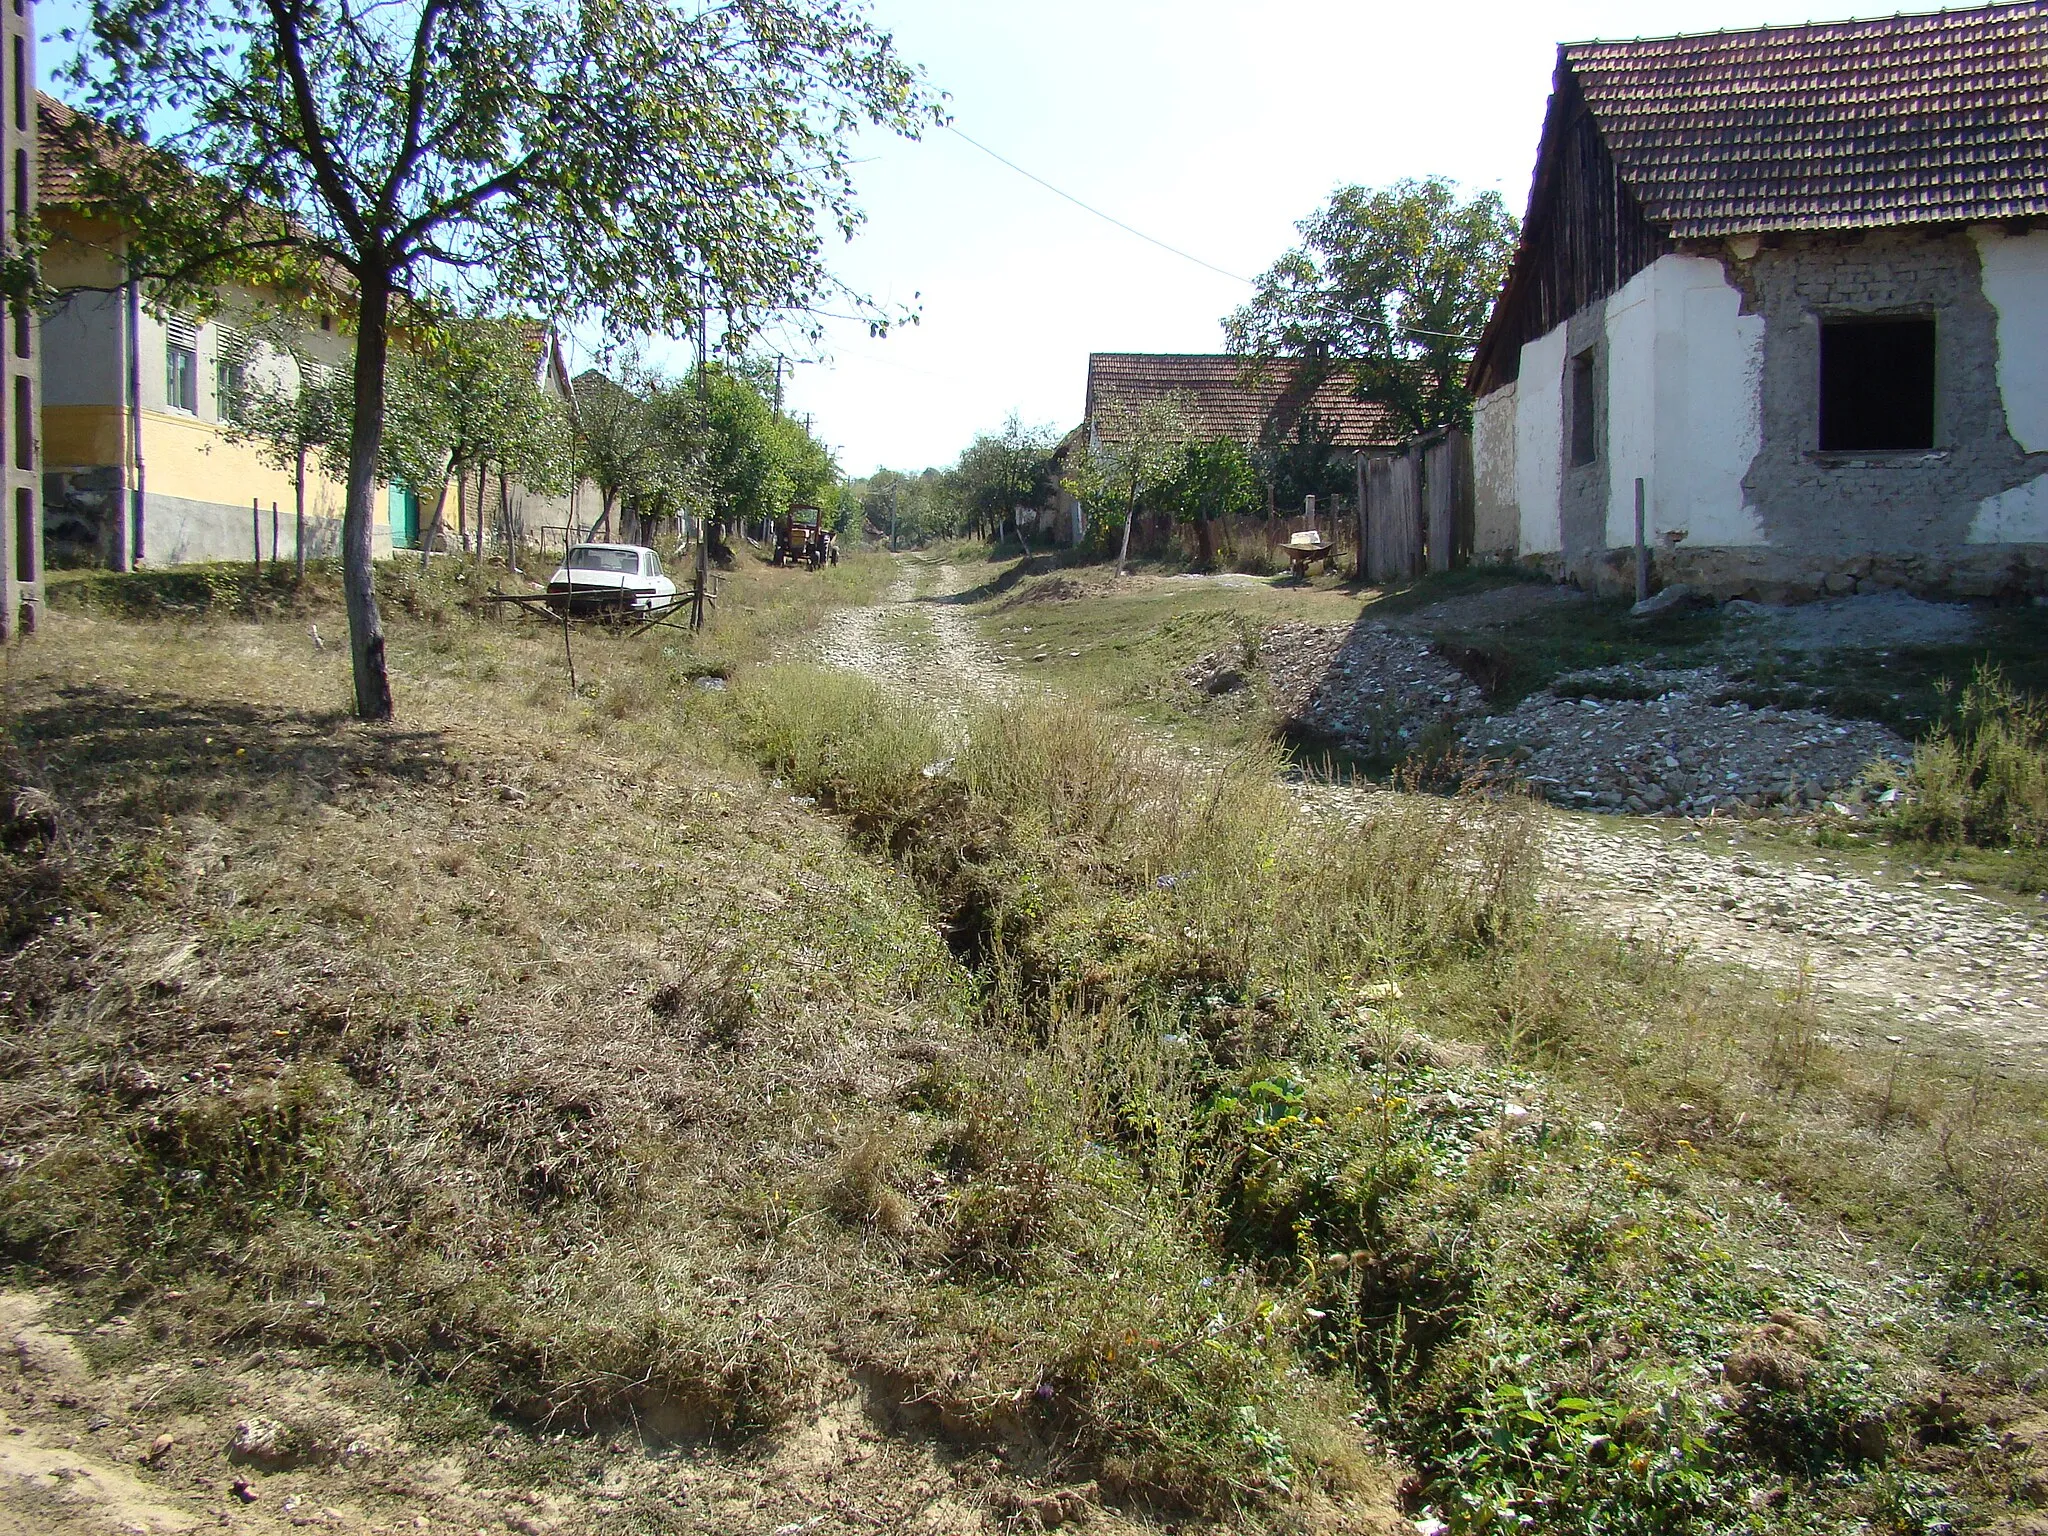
1628,739
1614,739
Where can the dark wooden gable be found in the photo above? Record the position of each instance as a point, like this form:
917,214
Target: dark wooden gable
1584,236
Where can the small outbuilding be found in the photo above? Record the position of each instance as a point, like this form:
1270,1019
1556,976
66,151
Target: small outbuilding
1794,281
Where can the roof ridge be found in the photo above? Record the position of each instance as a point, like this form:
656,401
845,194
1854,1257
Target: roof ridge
1841,26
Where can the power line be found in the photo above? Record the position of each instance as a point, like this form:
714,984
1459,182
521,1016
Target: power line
1106,217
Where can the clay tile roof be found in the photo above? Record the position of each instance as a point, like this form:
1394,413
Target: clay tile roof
1223,404
57,180
1836,125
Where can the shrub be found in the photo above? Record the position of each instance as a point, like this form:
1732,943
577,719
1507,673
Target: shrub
1981,777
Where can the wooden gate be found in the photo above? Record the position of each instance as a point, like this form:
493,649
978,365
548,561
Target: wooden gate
1416,507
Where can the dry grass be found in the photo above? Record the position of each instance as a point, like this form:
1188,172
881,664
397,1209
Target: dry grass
1103,1110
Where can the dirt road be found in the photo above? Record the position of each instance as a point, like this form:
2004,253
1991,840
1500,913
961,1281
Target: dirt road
1888,955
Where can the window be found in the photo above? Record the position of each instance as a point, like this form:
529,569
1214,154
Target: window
24,330
596,557
1877,384
24,425
24,534
181,365
230,374
1585,425
21,83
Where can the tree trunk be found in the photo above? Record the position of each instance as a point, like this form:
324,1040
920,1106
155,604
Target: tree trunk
299,514
1123,559
434,528
1205,537
366,437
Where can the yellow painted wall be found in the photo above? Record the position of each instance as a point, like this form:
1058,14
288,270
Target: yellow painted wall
183,456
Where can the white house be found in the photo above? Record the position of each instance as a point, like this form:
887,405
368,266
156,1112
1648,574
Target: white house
1793,280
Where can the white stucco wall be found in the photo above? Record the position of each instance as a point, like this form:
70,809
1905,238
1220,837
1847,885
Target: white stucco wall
1539,443
2016,283
1710,366
1632,358
2017,516
1496,522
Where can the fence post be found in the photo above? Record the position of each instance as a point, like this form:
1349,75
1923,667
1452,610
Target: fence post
256,537
1358,474
1642,548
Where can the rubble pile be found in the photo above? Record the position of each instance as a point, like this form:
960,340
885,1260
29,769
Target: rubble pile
1614,739
1367,684
1683,747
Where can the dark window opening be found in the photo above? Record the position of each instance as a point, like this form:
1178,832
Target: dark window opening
1876,385
1585,429
21,84
24,425
24,330
24,534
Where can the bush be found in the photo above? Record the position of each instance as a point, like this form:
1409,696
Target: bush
1981,777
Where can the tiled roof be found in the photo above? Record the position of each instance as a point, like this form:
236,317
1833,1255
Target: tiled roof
57,180
1836,125
1224,405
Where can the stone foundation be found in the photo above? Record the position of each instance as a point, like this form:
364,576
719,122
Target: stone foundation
1773,576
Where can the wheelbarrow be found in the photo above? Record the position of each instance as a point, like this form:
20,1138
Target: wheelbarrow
1305,549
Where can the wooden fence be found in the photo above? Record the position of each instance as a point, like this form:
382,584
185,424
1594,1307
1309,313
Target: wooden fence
1416,507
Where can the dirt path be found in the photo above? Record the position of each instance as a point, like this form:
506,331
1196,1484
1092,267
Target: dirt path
917,640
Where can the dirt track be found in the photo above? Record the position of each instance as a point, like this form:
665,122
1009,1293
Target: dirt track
1890,955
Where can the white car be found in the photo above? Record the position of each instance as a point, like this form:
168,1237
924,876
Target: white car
617,578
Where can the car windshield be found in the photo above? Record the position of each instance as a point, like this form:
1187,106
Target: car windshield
804,517
616,562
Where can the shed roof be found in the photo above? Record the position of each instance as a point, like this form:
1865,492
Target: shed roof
1224,403
1921,119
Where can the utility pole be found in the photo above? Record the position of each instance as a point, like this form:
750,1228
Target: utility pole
778,384
895,499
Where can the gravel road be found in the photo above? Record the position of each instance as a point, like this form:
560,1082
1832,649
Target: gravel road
1892,957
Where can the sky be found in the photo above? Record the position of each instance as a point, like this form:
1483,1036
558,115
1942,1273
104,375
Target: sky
1211,125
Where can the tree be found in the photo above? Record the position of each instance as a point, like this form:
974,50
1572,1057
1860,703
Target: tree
1136,449
1215,479
290,414
615,432
462,395
640,157
999,471
1391,286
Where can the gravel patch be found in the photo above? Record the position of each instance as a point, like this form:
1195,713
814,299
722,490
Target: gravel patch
1869,621
1686,749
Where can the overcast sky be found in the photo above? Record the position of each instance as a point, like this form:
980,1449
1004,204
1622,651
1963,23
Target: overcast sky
1211,125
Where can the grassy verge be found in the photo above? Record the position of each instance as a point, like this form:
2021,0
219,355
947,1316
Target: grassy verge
1120,1121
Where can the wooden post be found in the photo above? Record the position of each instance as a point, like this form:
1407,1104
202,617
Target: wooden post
1642,548
256,537
1358,474
275,557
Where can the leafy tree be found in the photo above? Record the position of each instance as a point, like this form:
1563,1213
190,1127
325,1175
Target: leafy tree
462,395
1390,286
290,416
758,463
999,471
639,157
914,508
614,434
1135,451
1215,479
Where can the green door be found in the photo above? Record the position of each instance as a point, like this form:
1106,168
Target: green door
405,518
